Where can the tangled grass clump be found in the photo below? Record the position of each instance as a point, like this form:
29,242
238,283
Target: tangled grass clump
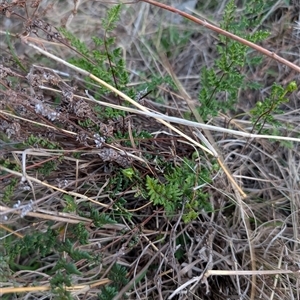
141,158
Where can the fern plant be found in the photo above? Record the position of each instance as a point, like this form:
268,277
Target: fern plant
108,293
168,195
88,211
181,189
118,276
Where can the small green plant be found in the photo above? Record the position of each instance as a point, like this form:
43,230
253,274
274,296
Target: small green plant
99,219
9,190
105,61
263,112
183,240
129,173
70,204
120,209
47,168
35,141
39,245
5,270
118,276
168,195
58,283
181,188
107,293
87,123
118,183
222,82
81,233
160,170
42,243
153,82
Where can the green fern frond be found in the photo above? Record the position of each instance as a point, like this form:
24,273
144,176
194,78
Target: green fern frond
118,275
69,267
178,189
60,279
168,195
75,42
100,219
108,293
113,15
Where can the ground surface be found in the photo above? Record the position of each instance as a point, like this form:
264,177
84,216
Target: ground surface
76,206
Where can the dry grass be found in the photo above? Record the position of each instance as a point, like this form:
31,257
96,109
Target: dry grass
246,248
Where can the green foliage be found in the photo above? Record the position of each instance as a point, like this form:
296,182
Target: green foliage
41,142
221,83
81,233
177,188
65,268
87,123
5,271
154,81
9,190
167,195
112,113
99,219
113,14
68,267
94,59
47,167
129,173
74,253
71,204
108,113
102,219
13,52
108,293
58,284
105,61
38,245
180,188
76,155
118,183
118,276
182,240
119,207
36,242
8,164
262,113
